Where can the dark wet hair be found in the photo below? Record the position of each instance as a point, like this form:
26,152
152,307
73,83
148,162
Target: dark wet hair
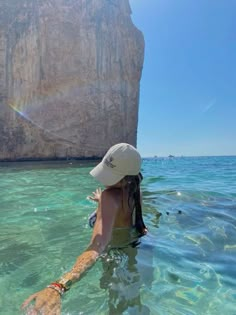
134,200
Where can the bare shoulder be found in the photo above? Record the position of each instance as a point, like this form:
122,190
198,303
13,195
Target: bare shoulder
112,196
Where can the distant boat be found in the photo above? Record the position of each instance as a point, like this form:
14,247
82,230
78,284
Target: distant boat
171,156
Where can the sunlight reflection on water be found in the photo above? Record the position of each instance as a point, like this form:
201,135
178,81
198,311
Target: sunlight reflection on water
185,265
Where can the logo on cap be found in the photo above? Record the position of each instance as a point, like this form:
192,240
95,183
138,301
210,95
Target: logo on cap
108,162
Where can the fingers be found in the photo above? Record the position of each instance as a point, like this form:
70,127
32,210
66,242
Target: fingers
92,198
47,302
27,301
31,311
49,306
95,195
99,191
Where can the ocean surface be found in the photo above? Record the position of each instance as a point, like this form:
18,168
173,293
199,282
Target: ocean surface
185,265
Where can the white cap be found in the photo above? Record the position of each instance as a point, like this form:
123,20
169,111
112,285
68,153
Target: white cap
120,160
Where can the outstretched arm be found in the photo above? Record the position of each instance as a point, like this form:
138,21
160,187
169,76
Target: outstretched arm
47,301
106,214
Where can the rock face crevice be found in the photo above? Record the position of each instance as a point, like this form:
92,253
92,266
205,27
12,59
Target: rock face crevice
69,77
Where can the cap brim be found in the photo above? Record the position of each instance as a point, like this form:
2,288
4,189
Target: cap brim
104,175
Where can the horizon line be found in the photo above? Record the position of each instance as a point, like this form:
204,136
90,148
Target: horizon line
186,156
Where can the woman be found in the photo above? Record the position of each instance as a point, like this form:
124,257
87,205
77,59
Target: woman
119,206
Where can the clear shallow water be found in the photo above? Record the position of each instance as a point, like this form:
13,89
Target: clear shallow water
185,265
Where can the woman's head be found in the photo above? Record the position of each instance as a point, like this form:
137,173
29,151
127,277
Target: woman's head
121,160
121,166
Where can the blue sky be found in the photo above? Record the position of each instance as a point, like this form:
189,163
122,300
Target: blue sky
188,86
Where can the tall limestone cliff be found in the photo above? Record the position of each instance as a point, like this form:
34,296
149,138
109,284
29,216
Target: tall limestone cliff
69,77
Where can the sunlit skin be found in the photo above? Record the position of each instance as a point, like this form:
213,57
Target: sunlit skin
112,211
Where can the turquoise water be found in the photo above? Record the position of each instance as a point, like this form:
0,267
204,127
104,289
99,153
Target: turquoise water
185,265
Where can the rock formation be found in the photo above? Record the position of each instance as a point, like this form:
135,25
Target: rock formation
69,77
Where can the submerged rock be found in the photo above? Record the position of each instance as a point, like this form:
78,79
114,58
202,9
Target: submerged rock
69,77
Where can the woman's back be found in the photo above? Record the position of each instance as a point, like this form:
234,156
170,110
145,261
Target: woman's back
124,214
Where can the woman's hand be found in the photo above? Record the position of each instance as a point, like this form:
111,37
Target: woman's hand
47,302
96,195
